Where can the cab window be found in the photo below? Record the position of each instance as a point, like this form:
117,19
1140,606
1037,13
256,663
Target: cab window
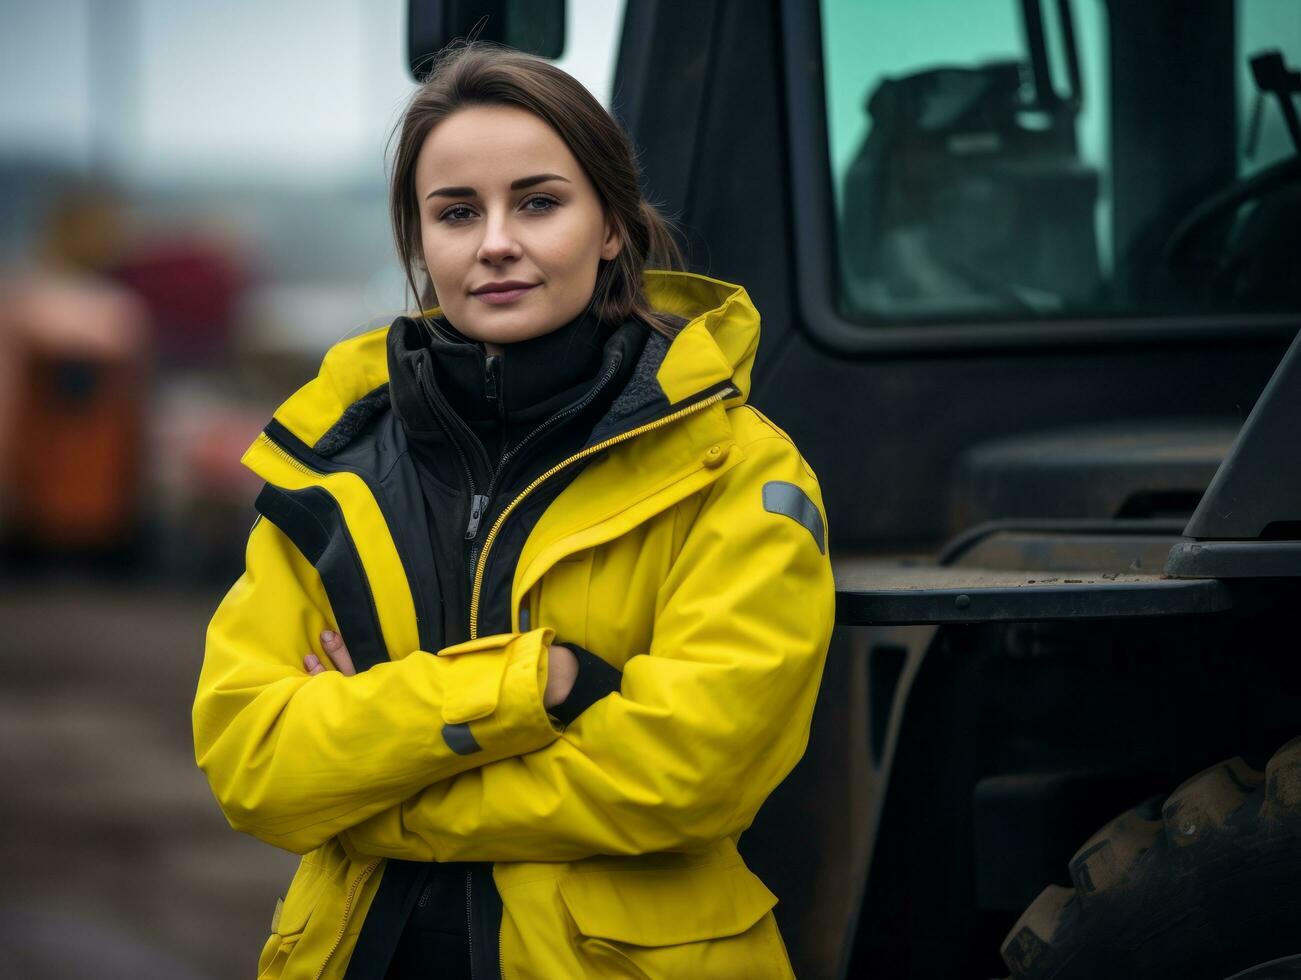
973,168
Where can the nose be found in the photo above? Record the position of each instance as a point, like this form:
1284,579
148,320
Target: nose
499,243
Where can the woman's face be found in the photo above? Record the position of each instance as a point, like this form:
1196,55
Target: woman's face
503,200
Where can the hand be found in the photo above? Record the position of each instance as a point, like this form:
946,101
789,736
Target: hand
562,671
336,651
562,666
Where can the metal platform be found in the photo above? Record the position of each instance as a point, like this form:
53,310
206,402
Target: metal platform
900,593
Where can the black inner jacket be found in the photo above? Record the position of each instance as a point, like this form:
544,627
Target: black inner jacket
481,428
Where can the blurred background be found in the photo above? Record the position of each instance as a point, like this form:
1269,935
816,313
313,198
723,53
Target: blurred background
192,209
960,229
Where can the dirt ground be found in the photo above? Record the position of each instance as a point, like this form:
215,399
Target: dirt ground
117,861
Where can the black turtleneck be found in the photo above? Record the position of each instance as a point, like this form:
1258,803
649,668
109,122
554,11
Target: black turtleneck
445,386
523,385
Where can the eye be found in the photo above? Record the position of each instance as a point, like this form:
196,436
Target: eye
550,203
456,213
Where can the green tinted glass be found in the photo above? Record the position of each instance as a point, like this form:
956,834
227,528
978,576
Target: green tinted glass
981,170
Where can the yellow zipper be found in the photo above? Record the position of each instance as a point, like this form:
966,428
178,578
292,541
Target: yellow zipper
596,448
366,872
286,457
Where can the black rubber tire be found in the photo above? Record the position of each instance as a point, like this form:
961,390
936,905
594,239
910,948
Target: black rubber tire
1211,888
1288,968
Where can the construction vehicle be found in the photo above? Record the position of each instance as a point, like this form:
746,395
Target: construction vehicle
1025,269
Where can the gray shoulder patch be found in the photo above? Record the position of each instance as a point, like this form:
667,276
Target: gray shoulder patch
780,497
461,740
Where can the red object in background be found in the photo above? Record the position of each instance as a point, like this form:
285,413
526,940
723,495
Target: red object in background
71,414
191,288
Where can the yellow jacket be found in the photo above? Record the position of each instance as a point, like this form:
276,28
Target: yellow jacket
690,552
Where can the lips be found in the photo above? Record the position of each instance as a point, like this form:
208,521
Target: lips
503,286
503,292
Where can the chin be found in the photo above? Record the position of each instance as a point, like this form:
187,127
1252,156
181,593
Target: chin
509,330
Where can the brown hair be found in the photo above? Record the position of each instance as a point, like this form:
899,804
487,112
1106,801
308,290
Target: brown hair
479,73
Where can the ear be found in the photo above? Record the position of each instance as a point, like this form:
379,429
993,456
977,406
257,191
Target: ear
612,243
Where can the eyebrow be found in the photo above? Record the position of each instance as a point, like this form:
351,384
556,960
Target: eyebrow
515,185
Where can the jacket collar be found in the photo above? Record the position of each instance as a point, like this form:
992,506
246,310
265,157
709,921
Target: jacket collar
526,382
717,345
703,370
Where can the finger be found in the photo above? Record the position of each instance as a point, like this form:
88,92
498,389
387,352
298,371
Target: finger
338,652
311,662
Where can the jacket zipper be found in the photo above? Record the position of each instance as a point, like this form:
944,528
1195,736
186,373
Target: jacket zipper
478,507
477,502
577,406
501,960
477,589
491,378
492,534
490,889
514,450
469,921
491,391
287,457
366,872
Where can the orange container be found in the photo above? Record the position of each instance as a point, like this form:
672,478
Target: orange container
74,420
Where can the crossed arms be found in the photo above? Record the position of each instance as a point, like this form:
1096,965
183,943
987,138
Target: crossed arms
706,723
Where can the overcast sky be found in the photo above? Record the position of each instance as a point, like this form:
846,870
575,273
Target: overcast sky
160,89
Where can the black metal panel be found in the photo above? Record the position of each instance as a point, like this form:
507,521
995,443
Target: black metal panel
1131,468
1257,489
884,437
699,88
1175,144
537,27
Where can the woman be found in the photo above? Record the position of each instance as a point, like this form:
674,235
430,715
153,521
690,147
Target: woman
566,594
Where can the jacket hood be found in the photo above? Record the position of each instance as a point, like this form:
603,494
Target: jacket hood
717,344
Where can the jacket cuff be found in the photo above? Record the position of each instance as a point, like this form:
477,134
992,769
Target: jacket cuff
493,701
595,680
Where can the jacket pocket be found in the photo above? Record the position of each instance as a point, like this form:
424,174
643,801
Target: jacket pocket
290,918
701,922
